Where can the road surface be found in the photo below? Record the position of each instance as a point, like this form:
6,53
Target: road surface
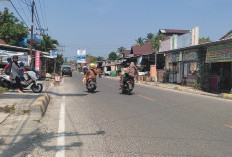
150,122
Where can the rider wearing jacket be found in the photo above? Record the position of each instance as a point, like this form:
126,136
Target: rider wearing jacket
92,72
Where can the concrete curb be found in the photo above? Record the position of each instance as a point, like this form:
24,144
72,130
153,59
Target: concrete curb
226,96
38,109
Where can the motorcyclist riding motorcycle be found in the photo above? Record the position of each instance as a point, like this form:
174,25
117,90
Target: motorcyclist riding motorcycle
129,73
91,78
92,72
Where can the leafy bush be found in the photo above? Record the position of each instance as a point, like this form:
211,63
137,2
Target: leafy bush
3,90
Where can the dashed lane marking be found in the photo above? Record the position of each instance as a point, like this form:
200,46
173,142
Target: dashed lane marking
145,97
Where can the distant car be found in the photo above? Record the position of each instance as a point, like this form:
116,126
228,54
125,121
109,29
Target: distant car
67,71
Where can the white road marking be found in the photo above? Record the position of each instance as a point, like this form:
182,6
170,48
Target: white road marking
60,147
63,80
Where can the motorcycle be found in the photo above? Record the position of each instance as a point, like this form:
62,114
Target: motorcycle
128,85
91,84
31,82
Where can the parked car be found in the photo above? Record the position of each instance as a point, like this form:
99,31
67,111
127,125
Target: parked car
67,71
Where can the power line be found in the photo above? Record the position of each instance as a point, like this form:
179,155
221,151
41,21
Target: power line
23,9
18,13
45,15
42,13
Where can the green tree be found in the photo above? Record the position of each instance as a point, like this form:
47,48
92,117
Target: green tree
47,44
203,73
149,37
120,51
12,31
155,42
139,41
112,56
94,59
99,58
59,61
204,39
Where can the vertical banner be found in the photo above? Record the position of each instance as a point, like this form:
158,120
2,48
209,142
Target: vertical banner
37,61
81,56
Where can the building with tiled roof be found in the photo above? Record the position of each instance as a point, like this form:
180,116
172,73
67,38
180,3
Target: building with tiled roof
142,50
126,52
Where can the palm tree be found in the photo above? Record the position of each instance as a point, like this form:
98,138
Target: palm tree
47,43
120,51
140,41
149,37
155,42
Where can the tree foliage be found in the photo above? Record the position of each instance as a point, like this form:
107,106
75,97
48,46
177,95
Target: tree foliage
12,31
120,50
140,41
149,37
203,73
205,39
47,43
59,61
112,56
155,42
95,59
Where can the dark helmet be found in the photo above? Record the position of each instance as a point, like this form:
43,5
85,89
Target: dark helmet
21,64
15,57
8,59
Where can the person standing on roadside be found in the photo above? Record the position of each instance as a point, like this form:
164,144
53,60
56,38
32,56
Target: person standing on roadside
15,73
7,68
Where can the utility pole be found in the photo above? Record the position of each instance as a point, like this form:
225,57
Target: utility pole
32,19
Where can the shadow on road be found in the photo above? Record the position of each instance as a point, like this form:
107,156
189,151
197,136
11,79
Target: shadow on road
67,95
18,96
93,92
35,140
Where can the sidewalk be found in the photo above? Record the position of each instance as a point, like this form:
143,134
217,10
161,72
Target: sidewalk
177,87
18,120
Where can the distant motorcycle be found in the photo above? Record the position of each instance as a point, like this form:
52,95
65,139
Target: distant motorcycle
31,82
91,84
128,85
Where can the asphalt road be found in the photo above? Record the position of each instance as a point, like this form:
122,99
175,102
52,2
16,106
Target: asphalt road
150,122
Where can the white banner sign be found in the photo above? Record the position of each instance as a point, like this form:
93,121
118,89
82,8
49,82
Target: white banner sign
81,56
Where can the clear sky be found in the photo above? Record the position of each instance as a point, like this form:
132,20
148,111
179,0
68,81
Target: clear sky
101,26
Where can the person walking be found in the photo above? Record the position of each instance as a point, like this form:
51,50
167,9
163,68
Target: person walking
15,73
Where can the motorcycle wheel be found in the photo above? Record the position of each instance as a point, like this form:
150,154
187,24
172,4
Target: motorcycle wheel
37,88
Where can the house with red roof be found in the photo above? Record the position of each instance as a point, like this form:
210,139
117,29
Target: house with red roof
126,53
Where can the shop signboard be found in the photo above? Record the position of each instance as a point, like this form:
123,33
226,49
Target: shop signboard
37,61
220,53
53,53
174,57
189,56
81,56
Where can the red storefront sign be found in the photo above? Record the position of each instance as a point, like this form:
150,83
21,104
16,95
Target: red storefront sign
37,60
